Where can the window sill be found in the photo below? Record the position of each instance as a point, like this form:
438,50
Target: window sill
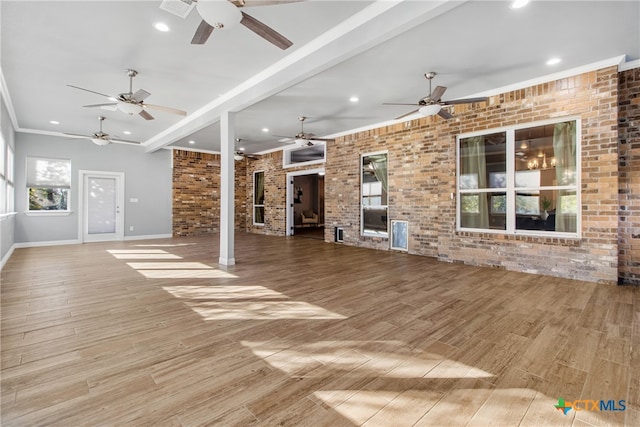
7,215
557,238
370,234
49,213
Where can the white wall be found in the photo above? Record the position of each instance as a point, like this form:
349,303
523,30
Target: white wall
147,178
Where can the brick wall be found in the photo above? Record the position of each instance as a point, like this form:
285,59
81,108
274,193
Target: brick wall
629,180
196,193
275,193
422,177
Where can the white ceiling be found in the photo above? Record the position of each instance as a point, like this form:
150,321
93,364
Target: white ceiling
377,51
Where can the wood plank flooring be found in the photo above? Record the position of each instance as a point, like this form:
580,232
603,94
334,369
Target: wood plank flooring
305,333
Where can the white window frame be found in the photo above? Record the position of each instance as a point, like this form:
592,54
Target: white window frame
362,205
3,179
253,199
10,180
43,212
510,189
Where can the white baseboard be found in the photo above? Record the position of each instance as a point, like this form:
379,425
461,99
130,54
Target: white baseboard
149,237
50,243
6,257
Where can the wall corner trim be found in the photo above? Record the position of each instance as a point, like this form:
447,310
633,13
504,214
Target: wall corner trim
7,256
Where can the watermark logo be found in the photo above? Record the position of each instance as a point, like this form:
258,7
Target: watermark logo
562,406
591,405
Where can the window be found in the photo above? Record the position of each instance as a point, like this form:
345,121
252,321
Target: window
258,198
521,180
3,179
10,181
374,205
48,184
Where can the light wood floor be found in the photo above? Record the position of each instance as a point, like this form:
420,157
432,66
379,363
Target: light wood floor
301,332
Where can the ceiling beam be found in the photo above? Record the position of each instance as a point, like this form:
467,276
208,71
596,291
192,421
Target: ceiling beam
378,22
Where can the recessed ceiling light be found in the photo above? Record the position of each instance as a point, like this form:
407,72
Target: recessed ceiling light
553,61
354,99
126,132
265,129
161,26
192,142
54,122
240,148
517,4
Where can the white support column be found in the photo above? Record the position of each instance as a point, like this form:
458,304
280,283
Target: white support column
227,182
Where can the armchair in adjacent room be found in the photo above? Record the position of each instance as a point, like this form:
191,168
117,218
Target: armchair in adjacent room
309,218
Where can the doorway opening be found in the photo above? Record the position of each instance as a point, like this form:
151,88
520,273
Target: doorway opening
305,194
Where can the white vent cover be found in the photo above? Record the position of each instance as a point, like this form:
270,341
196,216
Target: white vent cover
180,8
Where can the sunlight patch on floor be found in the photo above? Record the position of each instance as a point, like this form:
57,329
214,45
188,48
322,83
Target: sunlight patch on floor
389,359
185,274
164,245
222,292
146,256
179,270
168,265
261,310
142,254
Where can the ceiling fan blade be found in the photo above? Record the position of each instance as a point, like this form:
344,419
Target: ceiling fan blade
110,104
437,93
140,95
465,101
77,135
123,141
322,139
165,109
252,3
405,115
445,114
87,90
145,115
202,33
266,32
396,103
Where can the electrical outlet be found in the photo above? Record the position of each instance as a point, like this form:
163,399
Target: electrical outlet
131,228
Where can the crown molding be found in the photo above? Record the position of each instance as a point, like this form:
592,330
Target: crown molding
4,89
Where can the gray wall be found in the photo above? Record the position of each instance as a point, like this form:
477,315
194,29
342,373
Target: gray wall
7,224
147,178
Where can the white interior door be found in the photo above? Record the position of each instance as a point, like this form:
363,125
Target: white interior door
103,206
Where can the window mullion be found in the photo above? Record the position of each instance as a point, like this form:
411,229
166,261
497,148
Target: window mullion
511,182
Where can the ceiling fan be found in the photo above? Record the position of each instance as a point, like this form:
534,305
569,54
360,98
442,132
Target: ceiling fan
225,14
102,138
302,138
239,153
130,102
432,103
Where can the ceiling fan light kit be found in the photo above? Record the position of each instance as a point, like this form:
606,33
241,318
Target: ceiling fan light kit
101,141
430,110
129,108
219,14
